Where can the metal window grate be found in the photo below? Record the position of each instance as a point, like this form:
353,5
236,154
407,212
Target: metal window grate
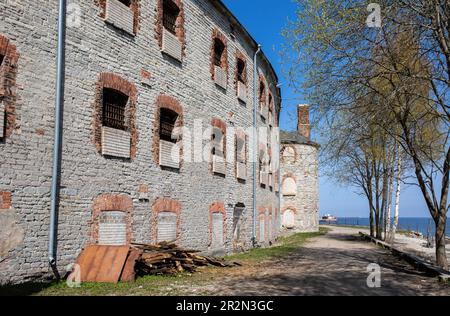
170,15
219,48
114,104
168,121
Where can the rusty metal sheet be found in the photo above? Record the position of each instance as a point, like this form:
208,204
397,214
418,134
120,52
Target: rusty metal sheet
128,273
102,263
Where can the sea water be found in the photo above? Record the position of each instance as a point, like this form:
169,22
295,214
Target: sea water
419,224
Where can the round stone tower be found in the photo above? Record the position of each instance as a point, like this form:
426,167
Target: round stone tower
299,177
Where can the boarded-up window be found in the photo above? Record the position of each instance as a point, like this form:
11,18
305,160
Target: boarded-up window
218,151
237,222
289,187
241,71
262,99
217,230
167,227
120,14
241,159
116,137
270,228
262,228
170,15
288,152
289,219
112,229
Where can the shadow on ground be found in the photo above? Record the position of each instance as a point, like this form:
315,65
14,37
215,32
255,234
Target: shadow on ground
332,271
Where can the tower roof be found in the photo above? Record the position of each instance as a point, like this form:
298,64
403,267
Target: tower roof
296,138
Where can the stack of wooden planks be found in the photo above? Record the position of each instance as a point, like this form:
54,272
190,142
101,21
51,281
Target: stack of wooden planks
168,259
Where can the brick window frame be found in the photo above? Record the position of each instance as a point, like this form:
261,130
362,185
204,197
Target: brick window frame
240,57
8,89
262,94
115,82
135,7
165,205
283,158
166,102
215,208
271,110
284,210
284,179
263,155
179,24
218,123
241,136
111,203
218,36
262,215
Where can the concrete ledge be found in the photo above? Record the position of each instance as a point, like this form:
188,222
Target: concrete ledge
416,262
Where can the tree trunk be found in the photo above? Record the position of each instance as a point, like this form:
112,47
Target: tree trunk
441,256
372,227
397,196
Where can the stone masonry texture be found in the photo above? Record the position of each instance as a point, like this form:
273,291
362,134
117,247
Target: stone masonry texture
99,54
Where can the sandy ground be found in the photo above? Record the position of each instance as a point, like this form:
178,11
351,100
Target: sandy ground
416,246
334,264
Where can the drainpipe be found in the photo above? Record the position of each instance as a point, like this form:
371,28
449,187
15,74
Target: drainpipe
255,141
59,104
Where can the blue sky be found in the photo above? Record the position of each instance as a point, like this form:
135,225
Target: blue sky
265,19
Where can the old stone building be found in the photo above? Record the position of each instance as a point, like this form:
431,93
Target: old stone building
299,183
143,77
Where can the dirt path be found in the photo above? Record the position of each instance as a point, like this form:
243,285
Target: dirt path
333,264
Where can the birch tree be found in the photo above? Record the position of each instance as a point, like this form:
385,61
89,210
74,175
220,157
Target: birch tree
404,66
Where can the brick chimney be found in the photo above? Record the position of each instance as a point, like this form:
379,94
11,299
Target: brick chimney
304,126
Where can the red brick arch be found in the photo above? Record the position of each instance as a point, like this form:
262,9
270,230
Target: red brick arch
217,207
113,81
295,152
166,102
240,56
180,28
165,205
108,203
217,35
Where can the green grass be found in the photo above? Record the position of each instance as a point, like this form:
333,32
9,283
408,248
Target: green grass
163,285
285,246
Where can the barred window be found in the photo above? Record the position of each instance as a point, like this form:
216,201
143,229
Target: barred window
219,49
168,121
1,59
170,15
262,93
241,70
114,104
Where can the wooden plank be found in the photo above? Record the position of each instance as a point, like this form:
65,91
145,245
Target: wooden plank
171,45
242,92
220,77
169,154
116,143
120,15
